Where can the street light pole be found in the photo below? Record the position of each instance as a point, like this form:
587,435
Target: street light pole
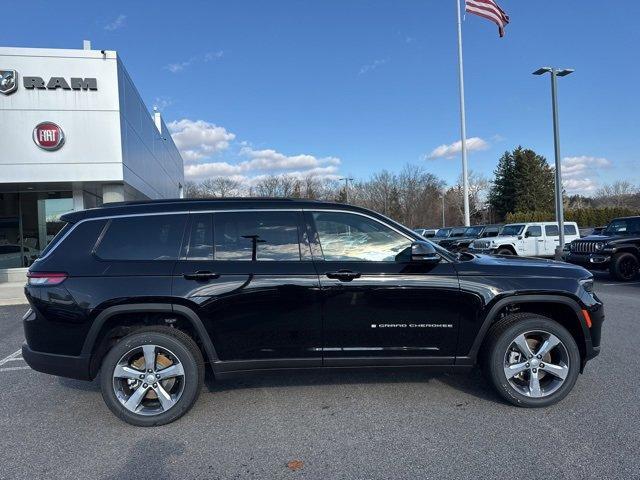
555,72
443,222
346,188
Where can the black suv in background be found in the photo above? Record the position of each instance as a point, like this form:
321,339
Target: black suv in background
148,293
461,243
616,248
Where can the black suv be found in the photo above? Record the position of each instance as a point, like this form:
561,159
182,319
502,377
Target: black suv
616,248
148,293
461,243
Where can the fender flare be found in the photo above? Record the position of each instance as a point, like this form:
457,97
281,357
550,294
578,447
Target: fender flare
191,316
490,318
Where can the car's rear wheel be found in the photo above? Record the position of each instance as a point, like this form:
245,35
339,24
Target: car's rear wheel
531,360
153,376
624,266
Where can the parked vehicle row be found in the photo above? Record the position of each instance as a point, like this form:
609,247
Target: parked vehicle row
615,247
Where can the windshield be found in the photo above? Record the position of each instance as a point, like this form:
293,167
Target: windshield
457,232
473,231
623,226
443,233
509,230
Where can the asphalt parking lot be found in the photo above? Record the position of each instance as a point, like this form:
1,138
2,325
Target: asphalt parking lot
372,424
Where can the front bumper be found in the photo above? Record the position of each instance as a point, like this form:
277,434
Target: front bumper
589,260
482,251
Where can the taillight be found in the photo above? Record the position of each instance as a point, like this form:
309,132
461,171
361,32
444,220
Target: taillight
46,278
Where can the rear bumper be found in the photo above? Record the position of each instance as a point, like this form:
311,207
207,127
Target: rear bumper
60,365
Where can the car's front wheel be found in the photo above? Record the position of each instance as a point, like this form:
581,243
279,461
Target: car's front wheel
152,376
531,360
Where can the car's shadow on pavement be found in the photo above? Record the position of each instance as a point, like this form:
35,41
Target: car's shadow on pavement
471,383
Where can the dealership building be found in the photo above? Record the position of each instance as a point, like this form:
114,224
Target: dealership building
74,134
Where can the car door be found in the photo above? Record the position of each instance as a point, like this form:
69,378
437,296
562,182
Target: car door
379,307
552,239
533,241
250,276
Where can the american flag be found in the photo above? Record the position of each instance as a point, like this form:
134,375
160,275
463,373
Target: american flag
489,10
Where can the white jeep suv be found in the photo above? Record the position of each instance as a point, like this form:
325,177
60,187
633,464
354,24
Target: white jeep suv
536,239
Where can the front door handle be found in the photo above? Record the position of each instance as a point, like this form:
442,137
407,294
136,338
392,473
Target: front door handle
343,275
201,275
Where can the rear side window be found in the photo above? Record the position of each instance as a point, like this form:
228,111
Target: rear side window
200,245
55,240
570,230
552,230
151,237
272,235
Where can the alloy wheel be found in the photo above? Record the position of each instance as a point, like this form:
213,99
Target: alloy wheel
536,364
148,380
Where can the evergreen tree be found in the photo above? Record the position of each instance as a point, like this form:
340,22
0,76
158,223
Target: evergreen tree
524,182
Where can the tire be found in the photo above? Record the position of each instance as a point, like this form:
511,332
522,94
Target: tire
624,266
500,353
152,404
505,251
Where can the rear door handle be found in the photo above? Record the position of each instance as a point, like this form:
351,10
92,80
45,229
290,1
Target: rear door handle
201,275
343,275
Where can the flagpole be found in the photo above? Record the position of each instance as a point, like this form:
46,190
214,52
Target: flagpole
463,126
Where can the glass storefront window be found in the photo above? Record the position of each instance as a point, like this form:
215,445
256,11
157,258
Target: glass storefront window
28,222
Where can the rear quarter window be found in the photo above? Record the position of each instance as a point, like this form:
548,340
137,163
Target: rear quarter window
149,237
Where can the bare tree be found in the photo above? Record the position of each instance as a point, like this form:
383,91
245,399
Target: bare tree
220,187
617,194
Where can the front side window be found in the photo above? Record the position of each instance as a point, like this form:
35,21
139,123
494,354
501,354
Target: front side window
534,231
511,230
261,236
352,237
473,231
146,237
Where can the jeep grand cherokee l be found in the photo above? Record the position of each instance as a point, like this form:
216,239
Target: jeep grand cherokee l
147,294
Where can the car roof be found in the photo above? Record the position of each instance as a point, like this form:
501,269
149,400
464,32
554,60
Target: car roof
194,205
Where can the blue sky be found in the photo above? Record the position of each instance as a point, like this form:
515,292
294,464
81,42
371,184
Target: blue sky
339,87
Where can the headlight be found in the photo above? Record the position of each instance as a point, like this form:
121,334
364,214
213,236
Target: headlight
599,245
587,284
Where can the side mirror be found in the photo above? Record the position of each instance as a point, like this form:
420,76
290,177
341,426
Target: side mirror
423,252
527,234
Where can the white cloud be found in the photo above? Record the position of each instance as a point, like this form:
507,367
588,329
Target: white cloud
579,166
199,139
450,151
162,102
207,57
583,186
117,23
372,66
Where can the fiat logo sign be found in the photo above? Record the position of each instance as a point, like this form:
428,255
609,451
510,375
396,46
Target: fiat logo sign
48,136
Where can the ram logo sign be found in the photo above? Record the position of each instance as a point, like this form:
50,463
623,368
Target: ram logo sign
8,81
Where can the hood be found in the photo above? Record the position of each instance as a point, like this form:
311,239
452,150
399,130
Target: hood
498,239
609,238
507,265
